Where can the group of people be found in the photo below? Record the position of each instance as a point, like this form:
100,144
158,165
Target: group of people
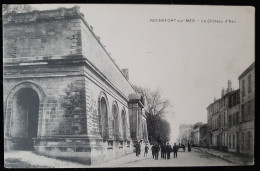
165,149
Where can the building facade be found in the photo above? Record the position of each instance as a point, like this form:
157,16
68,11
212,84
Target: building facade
63,94
185,134
233,122
234,115
247,110
200,135
217,116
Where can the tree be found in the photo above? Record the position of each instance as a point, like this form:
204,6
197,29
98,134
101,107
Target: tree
17,8
158,128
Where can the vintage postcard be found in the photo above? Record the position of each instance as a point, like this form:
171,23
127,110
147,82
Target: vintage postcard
91,85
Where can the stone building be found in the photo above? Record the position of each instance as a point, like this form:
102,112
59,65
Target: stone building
233,121
247,110
200,134
237,123
218,120
214,124
63,94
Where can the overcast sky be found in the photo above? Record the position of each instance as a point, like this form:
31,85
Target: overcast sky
189,62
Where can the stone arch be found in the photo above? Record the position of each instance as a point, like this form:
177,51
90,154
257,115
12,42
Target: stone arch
115,123
12,97
124,123
103,110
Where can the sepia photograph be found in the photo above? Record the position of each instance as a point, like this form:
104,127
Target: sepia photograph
128,85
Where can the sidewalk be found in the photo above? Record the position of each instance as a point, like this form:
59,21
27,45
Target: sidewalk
119,162
231,157
28,159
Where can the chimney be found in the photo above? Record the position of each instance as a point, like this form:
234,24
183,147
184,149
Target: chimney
229,86
126,73
222,92
214,99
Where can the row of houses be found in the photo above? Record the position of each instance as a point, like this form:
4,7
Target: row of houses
230,119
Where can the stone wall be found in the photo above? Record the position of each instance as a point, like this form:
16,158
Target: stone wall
42,37
63,105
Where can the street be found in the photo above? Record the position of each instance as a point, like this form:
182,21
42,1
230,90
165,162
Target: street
194,158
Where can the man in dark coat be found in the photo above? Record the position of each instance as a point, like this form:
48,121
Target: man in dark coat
168,150
153,153
175,150
163,151
137,149
146,148
156,151
189,147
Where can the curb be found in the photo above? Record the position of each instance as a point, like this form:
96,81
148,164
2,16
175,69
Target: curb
218,156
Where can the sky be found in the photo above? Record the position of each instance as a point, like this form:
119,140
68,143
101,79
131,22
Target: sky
189,62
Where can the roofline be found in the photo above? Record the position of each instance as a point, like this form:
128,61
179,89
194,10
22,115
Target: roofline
95,36
227,94
247,70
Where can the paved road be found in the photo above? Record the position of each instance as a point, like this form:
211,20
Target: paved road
27,159
193,158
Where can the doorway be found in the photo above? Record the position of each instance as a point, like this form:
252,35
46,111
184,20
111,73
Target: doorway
25,118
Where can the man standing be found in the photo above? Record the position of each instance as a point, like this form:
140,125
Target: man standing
137,149
189,147
146,148
153,149
175,150
163,151
168,150
156,151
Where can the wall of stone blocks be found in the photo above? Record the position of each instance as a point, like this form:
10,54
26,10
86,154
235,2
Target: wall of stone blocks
93,93
97,55
49,37
94,87
64,104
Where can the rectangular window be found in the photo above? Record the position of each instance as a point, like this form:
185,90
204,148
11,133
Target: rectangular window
242,112
237,118
229,142
230,121
248,108
224,118
249,83
248,140
242,141
234,119
243,88
233,141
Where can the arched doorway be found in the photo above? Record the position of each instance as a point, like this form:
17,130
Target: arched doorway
24,122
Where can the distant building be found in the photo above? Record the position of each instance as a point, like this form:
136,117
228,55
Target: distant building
247,110
200,134
185,131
